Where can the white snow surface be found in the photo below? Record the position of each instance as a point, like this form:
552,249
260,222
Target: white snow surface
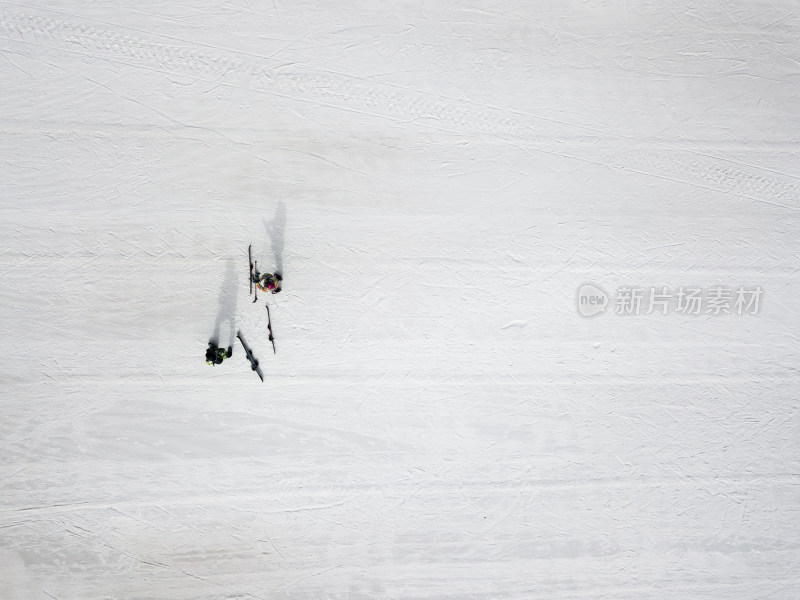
436,180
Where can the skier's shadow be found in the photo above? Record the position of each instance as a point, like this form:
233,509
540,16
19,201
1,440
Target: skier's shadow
227,305
276,232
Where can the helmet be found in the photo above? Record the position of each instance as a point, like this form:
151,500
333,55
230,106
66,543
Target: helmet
270,285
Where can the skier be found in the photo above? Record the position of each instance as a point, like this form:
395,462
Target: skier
215,355
267,282
270,283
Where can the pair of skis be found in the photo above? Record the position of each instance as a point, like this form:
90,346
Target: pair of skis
253,360
254,275
250,258
255,299
269,327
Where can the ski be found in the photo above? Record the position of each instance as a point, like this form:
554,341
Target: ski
255,297
269,326
253,360
250,258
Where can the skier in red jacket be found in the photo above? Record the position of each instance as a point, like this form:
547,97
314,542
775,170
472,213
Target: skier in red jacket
267,282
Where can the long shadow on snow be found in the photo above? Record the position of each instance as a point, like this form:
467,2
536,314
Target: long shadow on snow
227,305
276,232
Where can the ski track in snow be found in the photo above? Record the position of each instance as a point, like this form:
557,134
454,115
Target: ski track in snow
435,183
259,74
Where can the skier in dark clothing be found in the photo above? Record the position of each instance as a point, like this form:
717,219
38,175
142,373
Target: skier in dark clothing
215,355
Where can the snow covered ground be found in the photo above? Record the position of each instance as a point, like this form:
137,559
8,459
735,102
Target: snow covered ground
436,181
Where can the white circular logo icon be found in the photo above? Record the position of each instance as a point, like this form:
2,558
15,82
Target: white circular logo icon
591,300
